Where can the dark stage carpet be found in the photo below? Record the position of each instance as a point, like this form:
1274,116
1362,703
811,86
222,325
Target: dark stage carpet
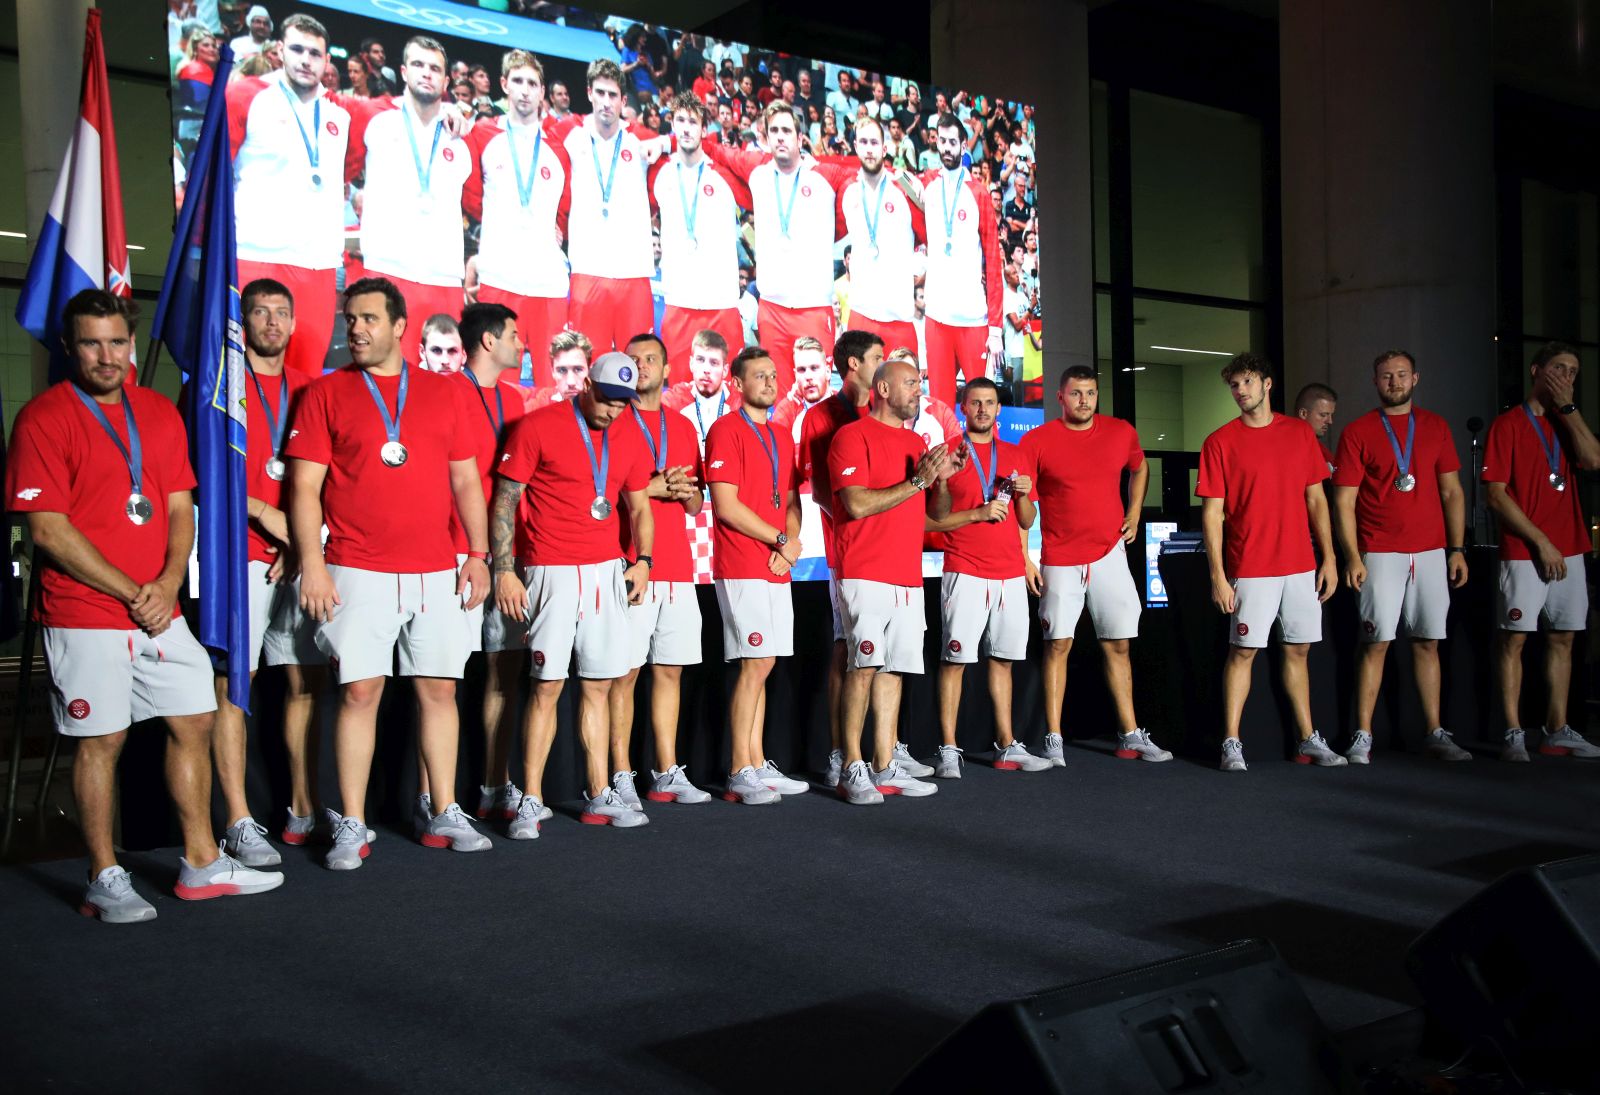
804,947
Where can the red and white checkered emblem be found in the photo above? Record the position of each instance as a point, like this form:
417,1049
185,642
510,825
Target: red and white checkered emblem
1369,627
1243,629
1044,623
449,154
867,647
78,709
708,190
538,658
333,128
544,172
1515,614
755,638
955,646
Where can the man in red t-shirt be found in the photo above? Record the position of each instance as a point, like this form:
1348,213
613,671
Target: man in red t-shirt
1528,465
1261,474
750,467
984,596
102,473
1315,405
664,627
386,483
1078,464
561,476
879,471
1401,523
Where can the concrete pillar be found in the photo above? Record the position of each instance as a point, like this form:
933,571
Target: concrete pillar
49,54
1045,61
1388,199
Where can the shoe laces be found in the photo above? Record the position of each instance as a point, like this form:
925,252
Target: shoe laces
1362,738
769,769
1233,745
1052,741
251,833
224,860
349,830
1514,736
118,884
528,809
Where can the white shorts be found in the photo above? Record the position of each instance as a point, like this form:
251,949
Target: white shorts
474,615
1105,586
291,637
983,614
501,633
665,627
1290,599
420,612
262,594
833,603
580,610
757,618
1400,586
883,625
103,680
1524,596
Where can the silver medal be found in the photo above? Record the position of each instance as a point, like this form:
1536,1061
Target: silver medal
1558,481
275,469
947,248
393,453
599,509
138,508
316,180
1405,483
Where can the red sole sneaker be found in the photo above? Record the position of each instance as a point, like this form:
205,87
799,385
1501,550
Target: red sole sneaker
887,790
1007,766
668,796
297,839
428,840
594,819
1127,754
88,910
206,893
1298,759
1554,751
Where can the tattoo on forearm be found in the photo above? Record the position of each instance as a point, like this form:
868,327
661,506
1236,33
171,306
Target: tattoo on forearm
503,523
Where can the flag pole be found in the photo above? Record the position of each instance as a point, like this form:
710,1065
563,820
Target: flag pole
147,375
19,717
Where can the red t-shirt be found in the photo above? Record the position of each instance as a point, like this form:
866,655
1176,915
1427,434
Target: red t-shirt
1261,475
390,520
545,451
61,461
1388,519
737,454
1513,455
258,449
673,557
987,549
816,436
886,547
1077,482
484,438
1328,456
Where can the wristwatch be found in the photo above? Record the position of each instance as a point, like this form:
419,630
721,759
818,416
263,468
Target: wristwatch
919,482
482,556
1566,408
783,538
647,560
1453,550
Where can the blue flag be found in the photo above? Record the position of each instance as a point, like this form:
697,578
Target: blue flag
198,320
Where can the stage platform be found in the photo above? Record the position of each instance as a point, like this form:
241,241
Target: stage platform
804,947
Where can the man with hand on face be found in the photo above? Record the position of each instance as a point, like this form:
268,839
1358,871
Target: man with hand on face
562,475
1261,474
750,467
664,626
102,472
984,594
1078,463
879,471
386,482
518,191
708,385
810,388
1528,464
568,356
442,351
1401,523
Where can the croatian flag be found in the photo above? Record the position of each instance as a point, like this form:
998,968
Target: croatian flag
82,244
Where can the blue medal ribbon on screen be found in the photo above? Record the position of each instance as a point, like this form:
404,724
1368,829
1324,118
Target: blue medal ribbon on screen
691,213
722,401
657,450
1403,462
605,185
784,214
875,217
313,143
601,470
525,186
772,452
274,421
134,458
986,480
424,177
497,417
949,209
1552,450
391,426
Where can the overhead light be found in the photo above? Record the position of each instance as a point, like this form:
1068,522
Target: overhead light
134,247
15,235
1133,368
1186,350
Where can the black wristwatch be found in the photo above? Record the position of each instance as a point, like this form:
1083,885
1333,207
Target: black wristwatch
646,560
1453,550
783,538
1566,408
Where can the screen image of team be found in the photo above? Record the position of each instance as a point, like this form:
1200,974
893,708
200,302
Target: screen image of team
551,540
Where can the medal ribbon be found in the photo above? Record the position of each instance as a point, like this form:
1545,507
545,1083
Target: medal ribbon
135,457
497,417
313,143
659,451
690,213
772,452
425,178
1402,462
877,215
274,421
784,215
722,400
1552,449
616,150
391,426
985,481
525,187
949,209
601,470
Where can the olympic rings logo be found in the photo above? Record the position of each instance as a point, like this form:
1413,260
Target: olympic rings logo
434,17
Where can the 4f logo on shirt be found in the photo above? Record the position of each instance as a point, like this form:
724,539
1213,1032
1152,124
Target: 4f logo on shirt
28,494
851,470
715,464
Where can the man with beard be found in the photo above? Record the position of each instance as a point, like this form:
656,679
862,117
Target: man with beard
386,482
1261,474
518,192
1402,520
289,144
810,388
1077,464
750,469
879,471
568,357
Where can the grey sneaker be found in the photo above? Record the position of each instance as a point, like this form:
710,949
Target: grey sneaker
451,829
1315,751
525,826
1233,755
349,843
1515,748
856,787
893,781
622,784
498,803
110,896
745,786
1444,747
673,786
1567,742
298,830
545,813
247,842
224,876
1055,750
949,762
785,785
607,808
1360,748
835,768
1138,746
421,814
1015,757
910,765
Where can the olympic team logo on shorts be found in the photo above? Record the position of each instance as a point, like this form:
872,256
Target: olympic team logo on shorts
955,646
449,155
755,639
544,172
867,647
708,190
538,658
78,709
1515,614
1044,623
1243,629
1369,627
333,128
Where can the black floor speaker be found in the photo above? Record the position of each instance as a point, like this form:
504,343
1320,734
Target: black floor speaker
1230,1019
1516,970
